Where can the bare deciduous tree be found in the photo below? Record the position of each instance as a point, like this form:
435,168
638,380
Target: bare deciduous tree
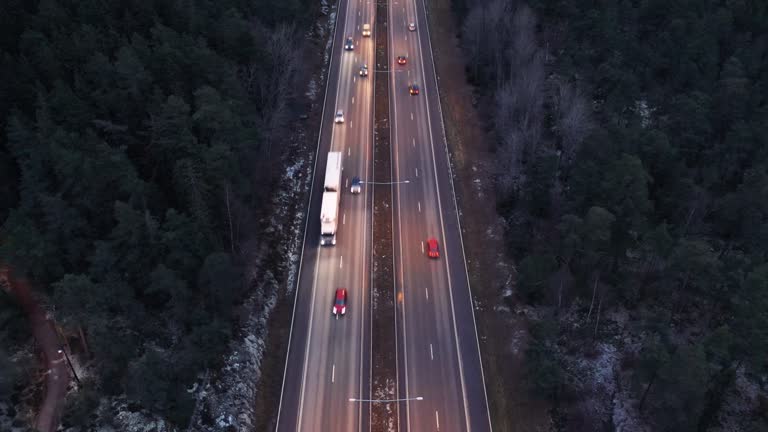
519,113
523,38
486,31
272,87
573,120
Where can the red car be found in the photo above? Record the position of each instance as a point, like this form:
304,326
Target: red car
340,304
432,249
413,89
401,60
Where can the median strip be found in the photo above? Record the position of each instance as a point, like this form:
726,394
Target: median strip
383,351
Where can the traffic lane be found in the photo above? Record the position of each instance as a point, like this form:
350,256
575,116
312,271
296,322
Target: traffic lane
399,153
402,366
365,92
400,334
350,60
479,416
345,344
318,363
355,223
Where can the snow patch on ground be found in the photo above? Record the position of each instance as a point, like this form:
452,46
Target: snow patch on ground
387,392
645,112
607,399
229,401
312,90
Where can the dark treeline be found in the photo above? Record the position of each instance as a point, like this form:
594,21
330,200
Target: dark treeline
137,155
632,142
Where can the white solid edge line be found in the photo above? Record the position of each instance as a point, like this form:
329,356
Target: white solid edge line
306,223
458,219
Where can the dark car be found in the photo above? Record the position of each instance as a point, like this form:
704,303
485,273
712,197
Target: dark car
340,304
401,60
432,249
364,70
413,89
349,45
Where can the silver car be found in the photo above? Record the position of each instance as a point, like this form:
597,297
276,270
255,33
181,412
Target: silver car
357,185
339,117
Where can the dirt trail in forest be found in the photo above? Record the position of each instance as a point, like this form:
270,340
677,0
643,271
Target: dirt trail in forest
54,363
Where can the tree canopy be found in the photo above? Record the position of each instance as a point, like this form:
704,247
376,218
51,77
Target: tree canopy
656,114
134,141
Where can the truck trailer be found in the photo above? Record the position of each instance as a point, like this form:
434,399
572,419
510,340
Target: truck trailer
329,210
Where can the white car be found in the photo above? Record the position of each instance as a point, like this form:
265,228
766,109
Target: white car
339,117
412,26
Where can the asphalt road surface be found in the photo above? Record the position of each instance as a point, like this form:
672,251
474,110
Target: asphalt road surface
329,359
438,352
437,348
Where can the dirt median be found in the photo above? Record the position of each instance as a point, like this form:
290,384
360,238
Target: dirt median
383,372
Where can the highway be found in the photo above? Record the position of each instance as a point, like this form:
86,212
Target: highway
328,359
438,352
438,357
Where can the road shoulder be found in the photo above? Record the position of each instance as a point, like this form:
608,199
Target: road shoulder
502,333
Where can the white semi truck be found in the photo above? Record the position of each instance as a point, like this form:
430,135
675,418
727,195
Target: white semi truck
329,210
